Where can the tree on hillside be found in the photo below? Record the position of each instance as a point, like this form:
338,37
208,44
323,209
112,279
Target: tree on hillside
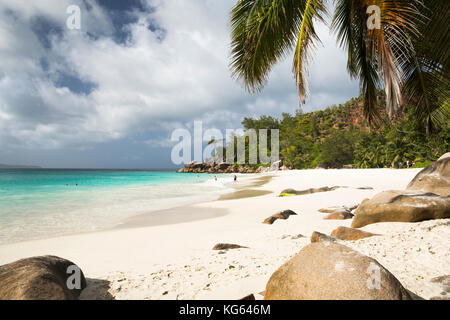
338,149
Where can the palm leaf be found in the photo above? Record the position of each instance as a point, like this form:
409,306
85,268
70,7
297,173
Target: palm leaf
262,32
374,54
305,43
389,43
350,24
427,67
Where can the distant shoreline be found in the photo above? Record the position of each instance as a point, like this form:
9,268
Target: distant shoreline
17,166
90,169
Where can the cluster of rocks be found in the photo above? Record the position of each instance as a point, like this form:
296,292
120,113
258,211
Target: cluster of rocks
203,167
327,269
426,197
223,167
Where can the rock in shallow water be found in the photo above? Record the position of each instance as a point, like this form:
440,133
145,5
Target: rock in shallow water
40,278
333,271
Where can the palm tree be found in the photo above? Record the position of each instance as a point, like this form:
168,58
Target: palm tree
406,55
427,82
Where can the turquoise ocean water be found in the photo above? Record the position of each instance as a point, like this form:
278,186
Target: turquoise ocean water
43,203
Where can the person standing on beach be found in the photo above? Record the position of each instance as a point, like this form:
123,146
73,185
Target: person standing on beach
235,177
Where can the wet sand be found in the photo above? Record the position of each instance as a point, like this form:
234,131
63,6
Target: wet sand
241,194
172,216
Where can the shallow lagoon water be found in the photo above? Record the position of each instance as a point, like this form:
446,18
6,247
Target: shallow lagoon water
42,203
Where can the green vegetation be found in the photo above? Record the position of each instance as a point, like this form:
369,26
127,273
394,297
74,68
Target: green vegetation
405,56
340,135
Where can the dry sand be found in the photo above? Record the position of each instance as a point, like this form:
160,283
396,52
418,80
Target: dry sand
168,254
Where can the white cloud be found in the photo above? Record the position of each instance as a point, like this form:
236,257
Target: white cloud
146,85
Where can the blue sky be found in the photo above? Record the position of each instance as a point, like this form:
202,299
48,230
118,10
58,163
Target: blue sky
109,95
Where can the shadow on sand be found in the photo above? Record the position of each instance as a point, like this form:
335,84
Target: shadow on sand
96,289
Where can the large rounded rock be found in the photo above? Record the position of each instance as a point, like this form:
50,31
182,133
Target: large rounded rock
344,233
41,278
333,272
401,206
435,178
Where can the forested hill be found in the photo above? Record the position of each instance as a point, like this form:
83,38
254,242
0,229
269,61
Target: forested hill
339,135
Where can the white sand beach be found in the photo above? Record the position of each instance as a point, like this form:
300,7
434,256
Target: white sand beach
168,255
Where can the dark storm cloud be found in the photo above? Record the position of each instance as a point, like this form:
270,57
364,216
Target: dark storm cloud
46,30
74,84
122,15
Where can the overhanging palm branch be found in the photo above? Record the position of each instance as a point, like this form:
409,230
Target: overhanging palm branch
350,24
263,31
373,53
307,37
427,67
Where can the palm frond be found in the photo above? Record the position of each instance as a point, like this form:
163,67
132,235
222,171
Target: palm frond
350,24
307,37
263,31
426,68
390,42
374,54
